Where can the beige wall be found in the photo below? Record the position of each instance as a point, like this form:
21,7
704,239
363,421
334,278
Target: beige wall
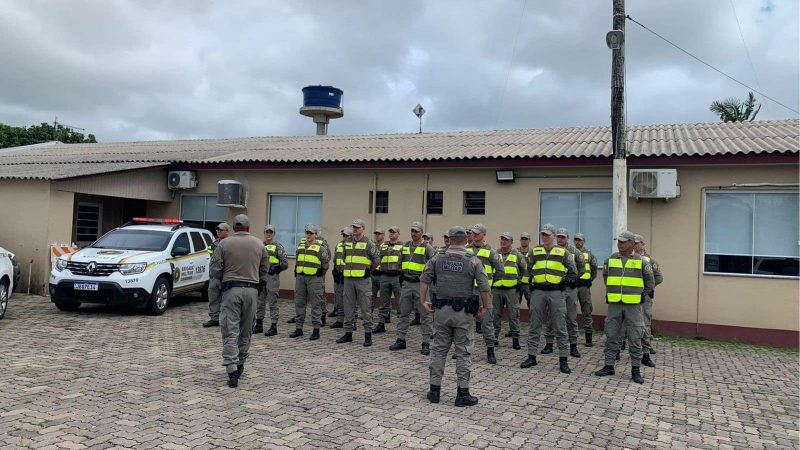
672,229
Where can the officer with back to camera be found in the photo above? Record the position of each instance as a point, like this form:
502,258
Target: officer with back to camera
456,275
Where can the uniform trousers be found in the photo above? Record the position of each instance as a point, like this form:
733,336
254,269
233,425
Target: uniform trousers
526,294
585,299
357,295
624,318
409,302
236,323
571,302
309,290
214,298
269,296
505,298
541,302
389,285
451,327
647,319
338,301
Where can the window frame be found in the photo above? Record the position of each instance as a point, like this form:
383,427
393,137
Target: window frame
99,222
290,252
206,224
752,237
441,201
580,203
465,209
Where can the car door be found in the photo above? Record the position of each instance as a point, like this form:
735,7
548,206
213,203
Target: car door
183,266
201,259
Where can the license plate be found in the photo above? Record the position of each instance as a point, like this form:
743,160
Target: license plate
85,286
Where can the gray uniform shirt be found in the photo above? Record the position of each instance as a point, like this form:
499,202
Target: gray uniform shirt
580,264
240,257
474,268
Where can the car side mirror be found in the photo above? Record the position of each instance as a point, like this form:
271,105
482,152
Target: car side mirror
180,251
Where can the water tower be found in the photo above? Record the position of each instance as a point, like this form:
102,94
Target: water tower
322,103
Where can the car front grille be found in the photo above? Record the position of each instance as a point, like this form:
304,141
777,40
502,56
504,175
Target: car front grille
101,270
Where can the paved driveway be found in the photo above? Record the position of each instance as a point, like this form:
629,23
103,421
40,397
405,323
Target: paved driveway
108,377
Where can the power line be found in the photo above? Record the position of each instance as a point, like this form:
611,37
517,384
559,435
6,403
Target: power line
744,44
510,64
710,66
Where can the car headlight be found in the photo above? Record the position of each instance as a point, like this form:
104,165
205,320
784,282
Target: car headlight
61,264
132,269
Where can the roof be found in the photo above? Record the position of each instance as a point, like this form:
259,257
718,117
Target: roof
703,139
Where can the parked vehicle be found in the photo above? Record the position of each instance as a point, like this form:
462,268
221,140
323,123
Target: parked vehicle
9,277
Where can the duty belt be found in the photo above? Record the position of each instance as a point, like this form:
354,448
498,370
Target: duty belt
468,304
584,283
411,279
232,284
392,274
548,287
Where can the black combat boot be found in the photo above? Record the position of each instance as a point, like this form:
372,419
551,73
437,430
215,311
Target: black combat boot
239,370
290,320
337,324
490,358
399,344
233,379
478,329
515,344
296,333
548,348
426,349
530,362
636,375
647,361
211,323
563,366
314,335
652,351
273,330
508,334
322,320
573,351
433,395
617,356
589,340
367,339
381,328
416,320
464,399
259,327
347,337
605,371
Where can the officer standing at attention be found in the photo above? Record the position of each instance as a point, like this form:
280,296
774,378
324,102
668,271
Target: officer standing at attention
570,297
506,288
309,285
361,256
376,275
456,275
338,279
647,302
241,264
526,251
428,238
391,256
552,269
443,248
585,285
278,262
214,289
416,253
493,267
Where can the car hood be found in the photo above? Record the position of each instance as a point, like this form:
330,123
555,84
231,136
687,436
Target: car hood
111,256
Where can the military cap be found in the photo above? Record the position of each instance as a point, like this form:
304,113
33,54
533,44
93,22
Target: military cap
579,236
562,232
548,228
525,235
626,236
479,228
638,238
394,229
359,223
347,231
269,227
378,231
457,231
427,235
507,235
312,228
468,229
417,226
224,227
241,220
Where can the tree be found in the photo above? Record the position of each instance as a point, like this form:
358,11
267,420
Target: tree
36,134
734,110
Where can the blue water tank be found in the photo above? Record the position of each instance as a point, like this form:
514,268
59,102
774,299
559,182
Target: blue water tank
327,96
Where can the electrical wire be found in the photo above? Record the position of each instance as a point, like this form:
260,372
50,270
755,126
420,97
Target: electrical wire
744,44
710,66
510,65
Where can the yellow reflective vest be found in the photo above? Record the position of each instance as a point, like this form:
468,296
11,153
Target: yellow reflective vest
356,259
510,277
549,268
625,282
308,258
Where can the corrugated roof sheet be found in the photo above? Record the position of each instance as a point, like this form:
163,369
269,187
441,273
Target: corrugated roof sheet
56,171
718,138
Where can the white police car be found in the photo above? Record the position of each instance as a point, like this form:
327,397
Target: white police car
141,263
9,276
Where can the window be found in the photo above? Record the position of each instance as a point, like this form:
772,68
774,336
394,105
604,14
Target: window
197,242
290,213
435,202
474,202
88,223
587,212
752,233
381,202
207,238
181,241
202,211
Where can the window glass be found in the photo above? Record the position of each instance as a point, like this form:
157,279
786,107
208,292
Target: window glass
435,202
729,224
197,241
290,214
589,213
182,241
193,208
474,202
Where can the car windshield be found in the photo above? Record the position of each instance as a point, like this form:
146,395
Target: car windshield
128,239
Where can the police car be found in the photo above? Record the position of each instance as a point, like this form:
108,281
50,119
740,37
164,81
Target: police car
142,263
9,277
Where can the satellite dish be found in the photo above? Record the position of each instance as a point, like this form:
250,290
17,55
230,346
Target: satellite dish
615,39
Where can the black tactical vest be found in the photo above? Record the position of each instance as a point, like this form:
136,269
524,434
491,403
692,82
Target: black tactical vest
453,278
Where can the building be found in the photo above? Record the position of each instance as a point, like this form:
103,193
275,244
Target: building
728,244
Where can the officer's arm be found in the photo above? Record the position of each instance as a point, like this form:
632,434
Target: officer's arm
428,276
647,274
283,260
605,271
592,266
572,272
374,255
263,268
522,266
324,259
580,263
216,268
658,277
482,281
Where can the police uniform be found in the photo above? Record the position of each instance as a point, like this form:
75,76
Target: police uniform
505,291
585,288
525,287
647,307
570,299
391,268
309,287
552,269
338,279
278,262
360,256
377,274
627,279
214,292
493,268
241,263
456,275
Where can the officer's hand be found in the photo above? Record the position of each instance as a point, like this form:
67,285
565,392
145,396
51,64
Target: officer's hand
428,306
480,311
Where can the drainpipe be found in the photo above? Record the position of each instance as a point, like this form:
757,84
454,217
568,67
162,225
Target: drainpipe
374,200
425,203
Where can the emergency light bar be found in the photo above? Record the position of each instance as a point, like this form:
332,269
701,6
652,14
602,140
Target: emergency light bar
152,220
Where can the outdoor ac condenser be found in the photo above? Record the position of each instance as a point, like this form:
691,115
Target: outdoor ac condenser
181,179
653,183
231,193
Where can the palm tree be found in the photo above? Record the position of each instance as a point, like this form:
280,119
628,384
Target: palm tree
734,110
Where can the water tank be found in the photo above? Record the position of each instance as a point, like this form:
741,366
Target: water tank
327,96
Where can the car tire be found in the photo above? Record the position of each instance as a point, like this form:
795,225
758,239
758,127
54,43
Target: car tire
68,306
4,294
160,297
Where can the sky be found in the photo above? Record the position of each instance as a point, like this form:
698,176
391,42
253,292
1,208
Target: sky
199,69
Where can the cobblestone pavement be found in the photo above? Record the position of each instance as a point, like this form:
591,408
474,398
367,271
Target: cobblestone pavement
109,377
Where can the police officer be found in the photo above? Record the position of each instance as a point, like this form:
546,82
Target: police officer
278,262
552,269
241,263
585,285
361,256
456,275
506,288
647,301
445,246
493,267
309,287
526,251
428,238
338,279
214,292
416,253
570,296
391,267
376,275
627,277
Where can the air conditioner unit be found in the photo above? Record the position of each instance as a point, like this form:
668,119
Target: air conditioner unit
182,179
653,183
231,193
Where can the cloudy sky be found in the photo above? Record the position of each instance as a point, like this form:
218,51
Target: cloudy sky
142,70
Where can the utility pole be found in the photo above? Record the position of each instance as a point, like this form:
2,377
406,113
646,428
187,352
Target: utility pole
616,41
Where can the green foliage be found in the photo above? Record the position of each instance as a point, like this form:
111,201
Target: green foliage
36,134
734,110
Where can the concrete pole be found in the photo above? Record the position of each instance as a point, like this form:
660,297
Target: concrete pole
618,132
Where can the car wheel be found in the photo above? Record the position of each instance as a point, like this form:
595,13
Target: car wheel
159,299
68,306
3,298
